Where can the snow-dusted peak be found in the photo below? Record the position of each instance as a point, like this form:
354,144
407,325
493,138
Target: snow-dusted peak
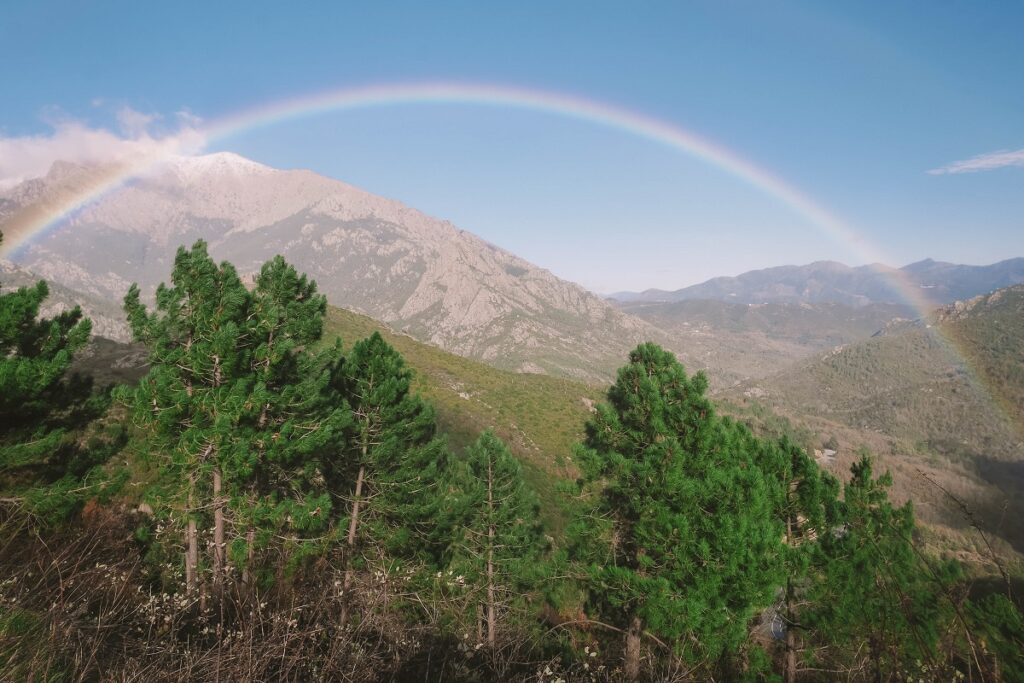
220,164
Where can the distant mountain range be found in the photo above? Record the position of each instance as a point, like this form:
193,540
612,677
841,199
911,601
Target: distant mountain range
830,282
420,275
107,318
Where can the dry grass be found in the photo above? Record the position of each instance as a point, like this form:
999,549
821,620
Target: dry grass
82,606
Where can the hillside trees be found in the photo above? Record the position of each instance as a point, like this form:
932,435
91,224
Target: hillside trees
682,515
808,507
499,542
291,420
235,406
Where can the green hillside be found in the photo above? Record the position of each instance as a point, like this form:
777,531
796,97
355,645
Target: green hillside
943,398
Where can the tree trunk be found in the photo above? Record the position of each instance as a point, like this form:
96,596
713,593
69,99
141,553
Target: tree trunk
250,555
352,525
492,621
218,535
790,617
192,543
631,656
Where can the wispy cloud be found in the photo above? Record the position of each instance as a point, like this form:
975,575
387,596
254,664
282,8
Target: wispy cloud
983,162
141,136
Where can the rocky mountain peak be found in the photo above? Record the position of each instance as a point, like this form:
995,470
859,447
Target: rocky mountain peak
419,274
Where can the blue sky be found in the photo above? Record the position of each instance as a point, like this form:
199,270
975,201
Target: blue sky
852,102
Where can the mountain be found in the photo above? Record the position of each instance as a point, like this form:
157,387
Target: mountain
831,282
943,395
744,341
418,274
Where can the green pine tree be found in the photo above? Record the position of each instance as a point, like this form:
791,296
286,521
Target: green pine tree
43,408
500,541
682,512
291,420
808,507
875,607
239,410
199,366
394,458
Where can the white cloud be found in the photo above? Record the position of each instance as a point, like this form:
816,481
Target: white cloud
31,156
983,162
134,123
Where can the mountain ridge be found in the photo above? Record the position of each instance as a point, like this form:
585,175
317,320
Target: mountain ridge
419,274
939,283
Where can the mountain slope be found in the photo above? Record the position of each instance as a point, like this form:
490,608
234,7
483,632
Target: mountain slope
831,282
418,274
910,394
744,341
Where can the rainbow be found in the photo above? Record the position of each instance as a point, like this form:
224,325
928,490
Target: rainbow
38,220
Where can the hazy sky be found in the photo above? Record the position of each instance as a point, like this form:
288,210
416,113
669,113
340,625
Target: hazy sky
853,103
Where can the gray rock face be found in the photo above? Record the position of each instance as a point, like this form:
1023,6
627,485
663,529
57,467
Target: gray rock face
419,274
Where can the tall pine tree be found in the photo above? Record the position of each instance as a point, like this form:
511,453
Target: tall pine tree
682,511
808,507
875,608
394,458
500,540
291,420
238,409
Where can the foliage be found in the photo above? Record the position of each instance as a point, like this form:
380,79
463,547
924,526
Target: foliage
686,545
236,408
45,410
873,603
499,543
268,440
392,448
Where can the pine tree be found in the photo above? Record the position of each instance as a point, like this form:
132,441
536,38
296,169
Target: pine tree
199,367
500,539
394,455
240,409
291,420
875,606
808,508
42,406
682,510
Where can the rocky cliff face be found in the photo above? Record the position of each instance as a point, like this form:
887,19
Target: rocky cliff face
420,275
